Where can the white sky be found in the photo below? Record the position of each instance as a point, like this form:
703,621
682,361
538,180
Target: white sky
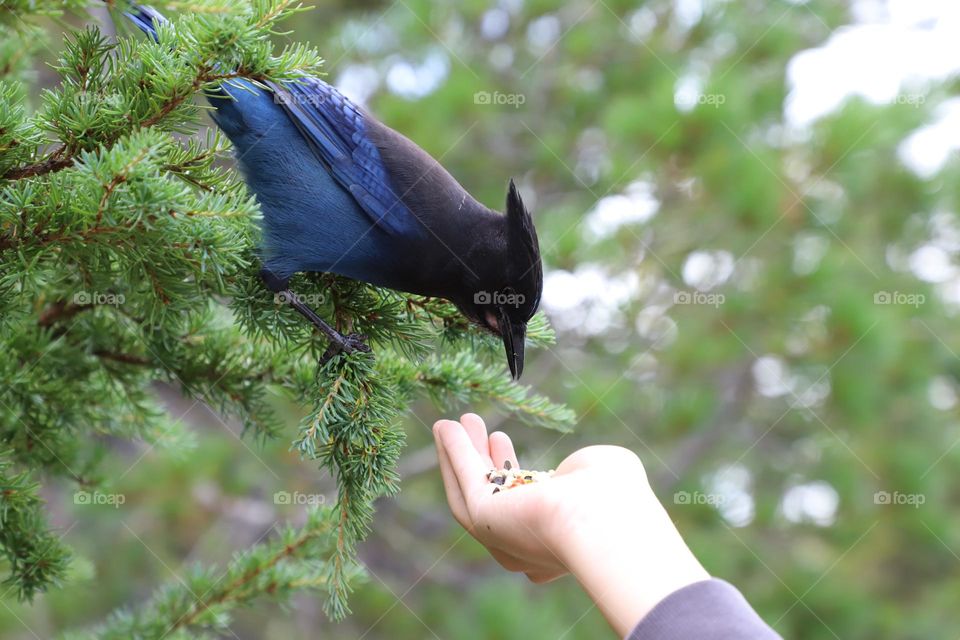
896,48
892,51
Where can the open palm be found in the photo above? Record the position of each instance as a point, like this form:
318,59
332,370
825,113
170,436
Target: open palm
531,527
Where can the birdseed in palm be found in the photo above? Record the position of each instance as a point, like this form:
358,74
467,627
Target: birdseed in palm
508,477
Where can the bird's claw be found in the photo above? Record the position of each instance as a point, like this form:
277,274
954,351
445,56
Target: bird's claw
347,344
355,342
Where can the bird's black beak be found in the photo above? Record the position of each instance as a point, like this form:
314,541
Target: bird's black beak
514,336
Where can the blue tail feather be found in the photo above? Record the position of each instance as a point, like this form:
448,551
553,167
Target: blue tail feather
146,18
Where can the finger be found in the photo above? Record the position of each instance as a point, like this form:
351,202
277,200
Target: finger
501,450
520,563
477,430
450,484
509,561
541,577
469,468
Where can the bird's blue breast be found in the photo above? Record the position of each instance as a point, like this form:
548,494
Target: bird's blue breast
310,222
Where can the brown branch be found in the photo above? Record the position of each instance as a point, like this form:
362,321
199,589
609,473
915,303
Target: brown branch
60,310
54,162
118,179
126,358
84,234
60,158
331,395
233,591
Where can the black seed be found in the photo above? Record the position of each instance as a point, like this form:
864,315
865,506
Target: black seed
496,489
507,465
498,480
528,477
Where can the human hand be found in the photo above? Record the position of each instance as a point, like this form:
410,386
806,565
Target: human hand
528,528
597,517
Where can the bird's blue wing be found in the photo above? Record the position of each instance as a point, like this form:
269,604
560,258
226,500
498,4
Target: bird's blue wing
335,130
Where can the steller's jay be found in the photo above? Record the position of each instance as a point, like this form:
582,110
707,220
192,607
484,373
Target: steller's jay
343,193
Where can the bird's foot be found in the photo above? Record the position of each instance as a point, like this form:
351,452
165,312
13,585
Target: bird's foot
274,282
345,344
339,343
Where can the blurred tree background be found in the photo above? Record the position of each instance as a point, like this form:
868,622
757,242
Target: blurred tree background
763,308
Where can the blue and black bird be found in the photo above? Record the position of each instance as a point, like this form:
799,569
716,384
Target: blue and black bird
343,193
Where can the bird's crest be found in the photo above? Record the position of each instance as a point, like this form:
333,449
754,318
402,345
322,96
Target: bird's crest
522,241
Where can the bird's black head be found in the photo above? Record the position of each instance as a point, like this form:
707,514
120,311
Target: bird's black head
510,282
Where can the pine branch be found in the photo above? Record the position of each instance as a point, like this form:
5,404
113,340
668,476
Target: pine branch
36,557
204,600
56,161
93,71
464,379
352,431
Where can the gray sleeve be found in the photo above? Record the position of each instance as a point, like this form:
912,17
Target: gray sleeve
707,610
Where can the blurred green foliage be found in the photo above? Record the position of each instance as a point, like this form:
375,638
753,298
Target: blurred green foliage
807,373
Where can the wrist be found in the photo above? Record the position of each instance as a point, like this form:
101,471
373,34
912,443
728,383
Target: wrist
631,564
